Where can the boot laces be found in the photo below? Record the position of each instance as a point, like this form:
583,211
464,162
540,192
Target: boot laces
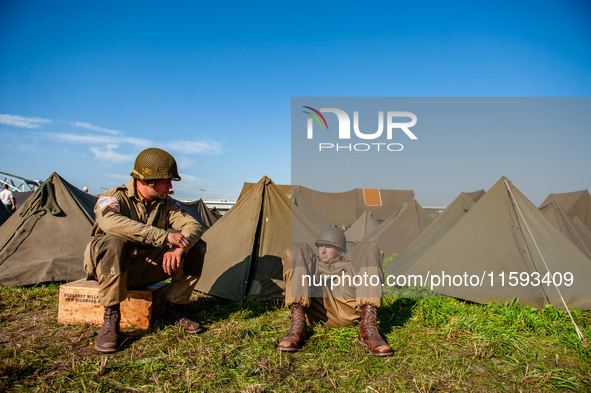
370,321
297,318
111,318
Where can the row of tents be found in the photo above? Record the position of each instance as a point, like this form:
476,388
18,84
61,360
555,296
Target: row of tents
481,232
504,233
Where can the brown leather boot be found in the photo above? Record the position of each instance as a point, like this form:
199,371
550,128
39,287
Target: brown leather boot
297,331
368,336
108,337
175,315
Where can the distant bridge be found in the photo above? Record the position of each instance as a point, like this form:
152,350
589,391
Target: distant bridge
19,184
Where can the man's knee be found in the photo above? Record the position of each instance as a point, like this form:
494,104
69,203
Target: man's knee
286,258
300,255
300,247
112,255
367,254
367,248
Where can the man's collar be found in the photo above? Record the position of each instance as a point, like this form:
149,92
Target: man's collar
132,192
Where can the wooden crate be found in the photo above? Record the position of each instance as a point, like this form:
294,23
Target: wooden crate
79,303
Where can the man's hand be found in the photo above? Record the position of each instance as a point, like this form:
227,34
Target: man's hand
172,260
179,240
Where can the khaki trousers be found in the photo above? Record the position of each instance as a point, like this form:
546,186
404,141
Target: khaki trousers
305,276
119,265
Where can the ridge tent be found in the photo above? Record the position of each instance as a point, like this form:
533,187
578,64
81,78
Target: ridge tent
476,195
573,230
450,216
577,203
244,248
336,208
504,233
361,228
216,213
344,208
45,239
199,211
401,228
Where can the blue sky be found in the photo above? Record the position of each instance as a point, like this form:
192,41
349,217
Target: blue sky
85,86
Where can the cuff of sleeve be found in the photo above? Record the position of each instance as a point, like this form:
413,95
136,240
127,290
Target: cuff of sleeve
192,240
158,237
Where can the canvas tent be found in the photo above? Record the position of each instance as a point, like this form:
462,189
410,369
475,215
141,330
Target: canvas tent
443,223
503,233
361,228
199,211
244,248
476,195
400,229
216,213
572,228
344,208
577,203
336,208
45,239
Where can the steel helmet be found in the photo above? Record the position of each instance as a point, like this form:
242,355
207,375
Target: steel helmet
155,164
333,236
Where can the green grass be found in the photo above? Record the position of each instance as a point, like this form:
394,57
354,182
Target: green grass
389,259
440,344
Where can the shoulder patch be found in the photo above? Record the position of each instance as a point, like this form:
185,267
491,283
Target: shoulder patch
108,201
176,203
109,209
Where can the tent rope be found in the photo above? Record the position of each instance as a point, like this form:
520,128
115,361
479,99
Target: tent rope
579,333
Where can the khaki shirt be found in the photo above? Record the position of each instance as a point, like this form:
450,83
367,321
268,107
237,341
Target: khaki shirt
122,212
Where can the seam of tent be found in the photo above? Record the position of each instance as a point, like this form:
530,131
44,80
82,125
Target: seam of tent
254,264
579,334
578,237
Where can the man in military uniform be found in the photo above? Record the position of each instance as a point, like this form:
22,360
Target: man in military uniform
310,299
133,247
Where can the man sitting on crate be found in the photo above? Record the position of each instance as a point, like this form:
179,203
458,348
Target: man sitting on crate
334,289
132,247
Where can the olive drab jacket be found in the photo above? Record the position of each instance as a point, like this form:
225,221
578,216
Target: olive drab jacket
122,212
